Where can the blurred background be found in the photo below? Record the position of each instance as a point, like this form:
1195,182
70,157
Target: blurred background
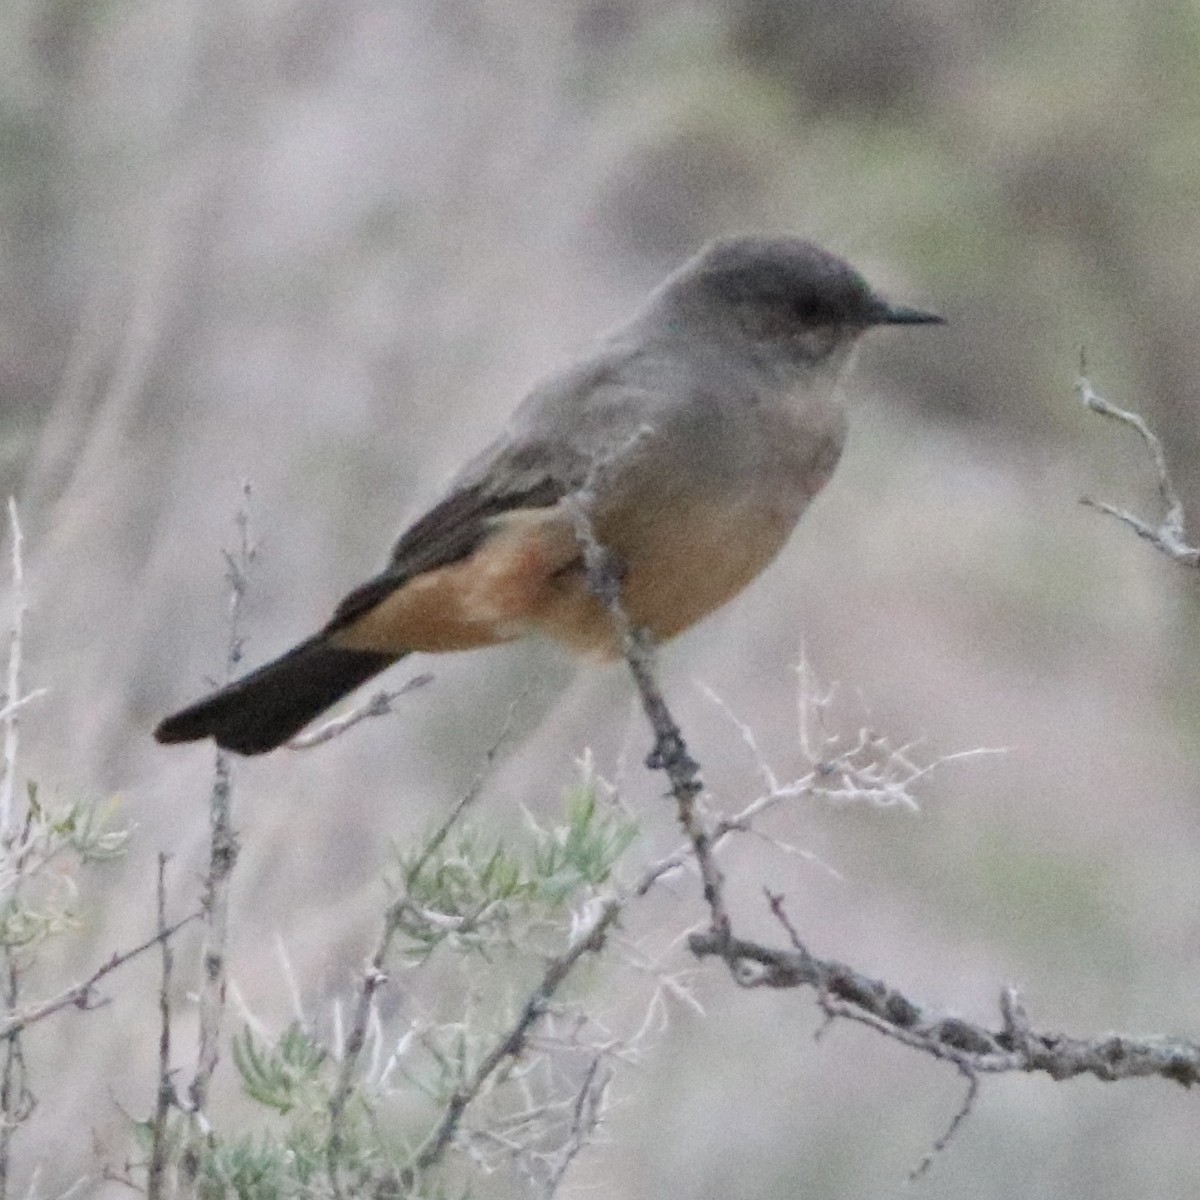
326,245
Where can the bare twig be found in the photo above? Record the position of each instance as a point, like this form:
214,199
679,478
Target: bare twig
165,1094
16,1099
374,977
237,575
963,1112
6,708
223,852
868,769
378,705
80,995
1169,535
528,1137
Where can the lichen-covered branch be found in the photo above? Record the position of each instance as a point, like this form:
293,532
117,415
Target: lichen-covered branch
1011,1045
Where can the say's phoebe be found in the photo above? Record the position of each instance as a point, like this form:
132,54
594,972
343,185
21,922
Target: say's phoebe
701,428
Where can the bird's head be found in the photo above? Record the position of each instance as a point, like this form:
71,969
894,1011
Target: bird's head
785,292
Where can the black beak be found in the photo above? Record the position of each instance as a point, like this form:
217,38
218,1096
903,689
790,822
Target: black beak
901,314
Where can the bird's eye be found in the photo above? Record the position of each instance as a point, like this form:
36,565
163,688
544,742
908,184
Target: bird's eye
810,308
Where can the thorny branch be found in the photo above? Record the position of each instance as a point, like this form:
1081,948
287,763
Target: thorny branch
1169,535
843,991
511,1044
521,1137
1013,1045
670,753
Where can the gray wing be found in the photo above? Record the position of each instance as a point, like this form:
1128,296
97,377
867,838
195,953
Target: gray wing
455,527
553,440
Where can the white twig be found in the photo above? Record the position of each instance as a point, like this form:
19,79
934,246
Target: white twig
586,1115
378,705
289,975
1169,535
963,1112
13,699
36,694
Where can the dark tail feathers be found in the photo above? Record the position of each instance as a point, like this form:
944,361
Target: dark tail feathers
267,707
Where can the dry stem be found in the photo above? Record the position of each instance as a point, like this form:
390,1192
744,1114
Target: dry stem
223,852
165,1095
80,995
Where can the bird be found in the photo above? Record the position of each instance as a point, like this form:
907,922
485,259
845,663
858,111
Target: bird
698,431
